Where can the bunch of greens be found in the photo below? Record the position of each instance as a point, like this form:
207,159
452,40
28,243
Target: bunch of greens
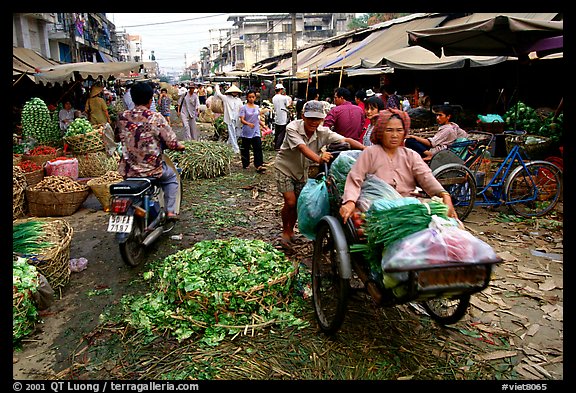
203,159
79,126
385,225
37,123
217,288
26,237
24,312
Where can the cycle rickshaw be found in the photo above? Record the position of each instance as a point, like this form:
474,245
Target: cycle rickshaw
444,289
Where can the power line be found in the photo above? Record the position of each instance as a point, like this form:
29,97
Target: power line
176,21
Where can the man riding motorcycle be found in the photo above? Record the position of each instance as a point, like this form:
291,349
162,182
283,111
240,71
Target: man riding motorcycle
144,135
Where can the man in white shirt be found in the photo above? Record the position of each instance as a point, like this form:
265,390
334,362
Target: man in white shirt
281,114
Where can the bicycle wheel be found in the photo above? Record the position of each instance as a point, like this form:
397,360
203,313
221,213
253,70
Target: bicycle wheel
329,289
447,311
535,190
460,183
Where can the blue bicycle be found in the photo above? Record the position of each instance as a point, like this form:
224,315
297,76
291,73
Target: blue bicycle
531,188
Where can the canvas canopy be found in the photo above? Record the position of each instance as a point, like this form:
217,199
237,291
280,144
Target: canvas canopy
501,35
58,74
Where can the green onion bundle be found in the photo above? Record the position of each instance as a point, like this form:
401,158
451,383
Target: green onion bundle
25,238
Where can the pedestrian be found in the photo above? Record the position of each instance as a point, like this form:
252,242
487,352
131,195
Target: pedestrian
282,103
144,136
182,90
302,146
387,159
360,99
391,100
96,107
188,110
373,107
232,103
202,94
165,102
251,138
448,132
345,118
127,98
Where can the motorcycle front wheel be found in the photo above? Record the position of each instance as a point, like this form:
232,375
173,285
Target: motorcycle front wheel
133,252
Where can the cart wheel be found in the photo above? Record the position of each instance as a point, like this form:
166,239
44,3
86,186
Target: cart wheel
447,311
460,183
329,289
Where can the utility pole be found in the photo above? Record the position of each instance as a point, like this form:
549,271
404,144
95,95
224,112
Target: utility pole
294,56
72,37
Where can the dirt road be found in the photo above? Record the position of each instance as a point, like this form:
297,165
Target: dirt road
513,329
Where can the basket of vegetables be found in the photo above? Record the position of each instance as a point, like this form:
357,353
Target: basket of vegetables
41,153
82,137
535,146
45,243
56,196
33,172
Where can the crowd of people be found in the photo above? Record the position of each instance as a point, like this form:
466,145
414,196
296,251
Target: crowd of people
376,123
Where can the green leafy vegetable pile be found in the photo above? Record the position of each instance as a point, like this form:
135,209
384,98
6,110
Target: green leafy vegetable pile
24,312
217,288
203,159
524,117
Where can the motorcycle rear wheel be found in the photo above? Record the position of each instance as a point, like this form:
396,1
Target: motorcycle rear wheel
133,252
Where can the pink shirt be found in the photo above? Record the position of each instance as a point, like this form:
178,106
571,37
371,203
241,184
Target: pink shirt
404,171
346,119
445,136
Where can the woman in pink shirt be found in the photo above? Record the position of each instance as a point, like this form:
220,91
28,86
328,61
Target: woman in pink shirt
389,160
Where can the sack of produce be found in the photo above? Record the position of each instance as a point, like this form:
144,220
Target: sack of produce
313,204
440,243
101,187
62,166
374,188
341,166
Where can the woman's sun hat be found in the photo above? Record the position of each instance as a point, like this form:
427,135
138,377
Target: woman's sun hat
233,89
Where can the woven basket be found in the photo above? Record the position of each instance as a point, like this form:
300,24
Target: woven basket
102,192
533,150
96,164
54,261
16,159
86,143
55,204
496,127
34,177
18,192
41,159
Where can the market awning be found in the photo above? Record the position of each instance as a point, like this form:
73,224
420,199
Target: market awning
106,58
67,72
418,58
27,61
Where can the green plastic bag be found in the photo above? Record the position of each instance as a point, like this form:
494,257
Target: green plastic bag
313,204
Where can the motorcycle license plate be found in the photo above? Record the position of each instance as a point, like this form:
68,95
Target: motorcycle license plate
120,223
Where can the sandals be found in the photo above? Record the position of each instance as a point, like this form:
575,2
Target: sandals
260,169
172,216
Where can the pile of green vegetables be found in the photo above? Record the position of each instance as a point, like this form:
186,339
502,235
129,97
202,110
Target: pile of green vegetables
524,117
25,282
79,126
26,237
385,225
38,123
217,288
203,159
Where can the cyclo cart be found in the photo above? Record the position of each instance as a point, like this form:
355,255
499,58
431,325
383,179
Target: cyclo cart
444,289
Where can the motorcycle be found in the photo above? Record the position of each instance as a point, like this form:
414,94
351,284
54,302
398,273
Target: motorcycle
138,216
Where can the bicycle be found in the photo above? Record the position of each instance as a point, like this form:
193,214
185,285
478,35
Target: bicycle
530,188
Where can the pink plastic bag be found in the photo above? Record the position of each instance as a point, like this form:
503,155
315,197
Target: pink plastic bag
62,167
